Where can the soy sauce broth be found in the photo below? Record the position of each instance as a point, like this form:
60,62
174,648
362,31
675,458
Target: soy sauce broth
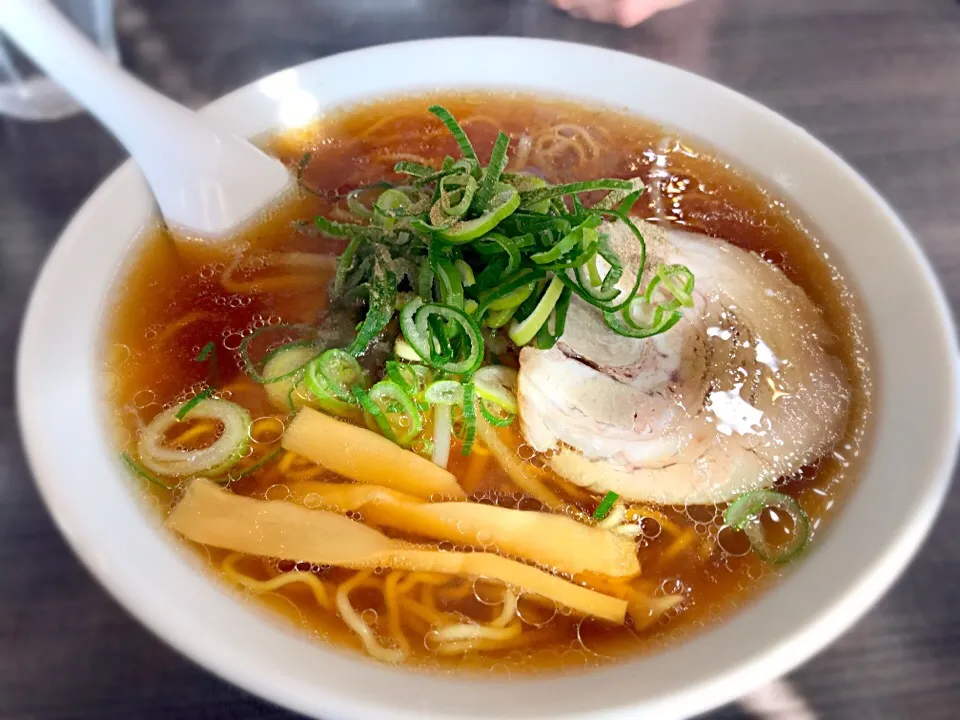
174,298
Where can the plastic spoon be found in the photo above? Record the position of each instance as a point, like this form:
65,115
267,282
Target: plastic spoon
207,183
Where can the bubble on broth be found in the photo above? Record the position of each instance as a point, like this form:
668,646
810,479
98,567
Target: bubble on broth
117,355
574,659
590,639
734,543
232,340
485,539
267,429
536,611
278,491
144,399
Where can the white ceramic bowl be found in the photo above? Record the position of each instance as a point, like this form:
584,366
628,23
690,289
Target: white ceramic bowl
882,526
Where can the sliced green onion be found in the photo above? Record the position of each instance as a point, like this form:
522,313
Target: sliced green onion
499,318
205,352
605,506
393,199
395,412
302,165
491,176
411,377
448,392
415,169
357,207
469,419
514,298
531,197
225,451
551,331
344,265
467,278
193,402
321,396
558,250
524,331
142,472
287,364
456,195
505,201
744,514
340,370
250,470
519,279
284,334
346,230
373,414
415,324
451,285
675,280
383,297
507,245
498,384
463,142
525,182
622,200
623,323
494,417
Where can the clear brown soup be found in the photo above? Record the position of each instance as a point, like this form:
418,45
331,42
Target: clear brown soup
173,299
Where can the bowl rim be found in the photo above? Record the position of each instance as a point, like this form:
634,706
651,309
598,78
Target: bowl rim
722,685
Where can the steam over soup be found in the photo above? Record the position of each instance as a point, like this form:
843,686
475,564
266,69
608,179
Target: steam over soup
511,384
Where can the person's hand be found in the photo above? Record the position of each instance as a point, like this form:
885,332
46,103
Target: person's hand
626,13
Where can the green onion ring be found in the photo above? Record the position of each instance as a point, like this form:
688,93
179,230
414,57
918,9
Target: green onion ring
744,514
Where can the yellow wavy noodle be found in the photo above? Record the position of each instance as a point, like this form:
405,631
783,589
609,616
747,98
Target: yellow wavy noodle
301,269
680,544
177,325
296,467
550,146
391,600
524,475
386,120
569,489
240,388
637,513
459,592
195,432
480,120
287,461
395,157
315,584
307,474
355,622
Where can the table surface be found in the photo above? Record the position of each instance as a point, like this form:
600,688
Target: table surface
878,80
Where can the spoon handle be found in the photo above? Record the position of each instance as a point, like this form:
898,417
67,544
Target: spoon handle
207,183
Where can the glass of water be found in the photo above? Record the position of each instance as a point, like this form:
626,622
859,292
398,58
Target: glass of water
24,91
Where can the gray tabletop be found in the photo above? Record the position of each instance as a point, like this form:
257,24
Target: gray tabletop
878,80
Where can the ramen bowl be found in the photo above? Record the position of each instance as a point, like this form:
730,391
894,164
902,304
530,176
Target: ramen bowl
893,505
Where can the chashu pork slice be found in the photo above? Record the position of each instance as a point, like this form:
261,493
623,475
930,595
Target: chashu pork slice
742,391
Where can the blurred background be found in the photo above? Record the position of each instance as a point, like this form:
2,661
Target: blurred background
877,80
